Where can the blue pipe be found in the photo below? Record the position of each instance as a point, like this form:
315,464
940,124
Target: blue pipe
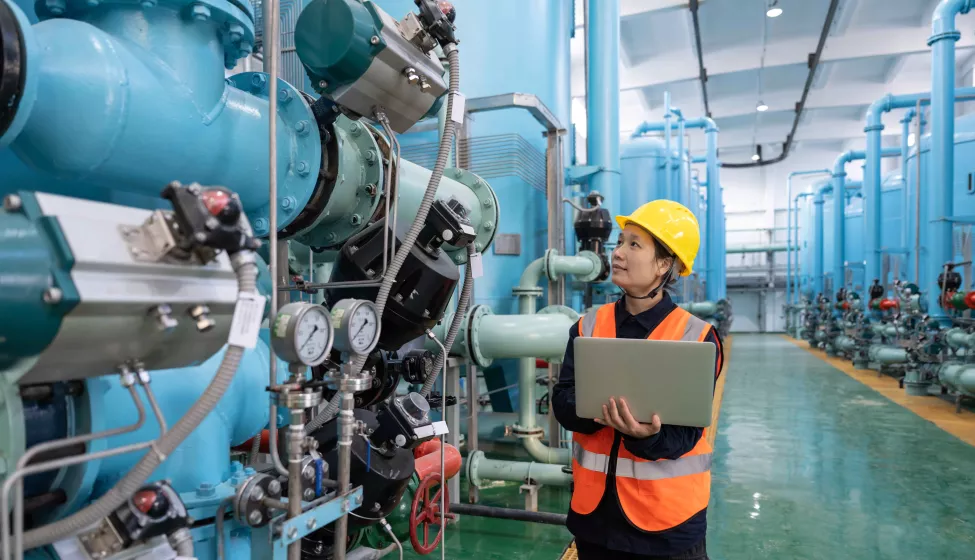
905,195
944,35
872,176
839,214
818,269
699,159
158,69
683,196
790,231
668,192
715,218
603,90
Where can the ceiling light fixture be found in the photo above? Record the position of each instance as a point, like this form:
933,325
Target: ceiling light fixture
756,157
774,10
762,107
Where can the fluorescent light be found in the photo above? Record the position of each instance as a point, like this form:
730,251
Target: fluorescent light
756,157
762,107
774,10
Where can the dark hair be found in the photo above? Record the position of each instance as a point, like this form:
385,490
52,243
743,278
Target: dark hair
663,252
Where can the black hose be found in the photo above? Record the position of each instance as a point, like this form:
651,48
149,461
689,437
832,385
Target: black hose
508,513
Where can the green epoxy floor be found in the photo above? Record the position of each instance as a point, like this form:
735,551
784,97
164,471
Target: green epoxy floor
809,464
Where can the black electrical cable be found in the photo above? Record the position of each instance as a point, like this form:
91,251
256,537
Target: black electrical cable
508,513
801,105
695,5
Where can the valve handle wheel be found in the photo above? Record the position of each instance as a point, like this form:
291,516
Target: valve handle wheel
426,512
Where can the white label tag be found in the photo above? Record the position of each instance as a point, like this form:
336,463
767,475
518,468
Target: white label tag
440,428
246,324
477,266
458,108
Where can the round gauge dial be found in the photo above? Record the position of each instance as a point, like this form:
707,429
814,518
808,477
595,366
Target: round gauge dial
357,324
302,333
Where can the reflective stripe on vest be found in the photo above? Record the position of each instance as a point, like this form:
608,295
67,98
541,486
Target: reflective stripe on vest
643,470
654,495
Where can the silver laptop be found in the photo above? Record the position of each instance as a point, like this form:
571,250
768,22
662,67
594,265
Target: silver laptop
672,379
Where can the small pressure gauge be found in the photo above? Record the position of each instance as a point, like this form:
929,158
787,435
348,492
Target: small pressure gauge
302,333
356,323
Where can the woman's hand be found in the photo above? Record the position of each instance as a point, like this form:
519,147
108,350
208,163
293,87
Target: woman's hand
619,417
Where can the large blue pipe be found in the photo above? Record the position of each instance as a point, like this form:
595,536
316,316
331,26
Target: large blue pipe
941,172
603,91
906,195
668,129
819,272
153,89
793,231
872,179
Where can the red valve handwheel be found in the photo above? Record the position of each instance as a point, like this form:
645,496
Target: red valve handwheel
426,512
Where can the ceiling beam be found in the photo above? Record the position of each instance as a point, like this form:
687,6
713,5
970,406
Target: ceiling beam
630,8
868,43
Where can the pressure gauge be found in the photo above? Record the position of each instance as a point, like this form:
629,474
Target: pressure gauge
356,323
302,333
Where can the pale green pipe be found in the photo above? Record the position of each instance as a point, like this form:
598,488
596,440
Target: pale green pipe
700,309
960,377
958,338
887,354
584,265
512,336
756,249
481,469
844,343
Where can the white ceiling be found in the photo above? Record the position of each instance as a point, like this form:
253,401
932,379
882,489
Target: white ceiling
875,47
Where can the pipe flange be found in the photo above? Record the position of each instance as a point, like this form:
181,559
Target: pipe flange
560,310
358,186
305,151
249,505
490,213
597,266
523,432
348,383
308,491
474,317
293,400
548,264
472,462
533,291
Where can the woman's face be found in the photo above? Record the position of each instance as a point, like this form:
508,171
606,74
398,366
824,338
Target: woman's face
636,267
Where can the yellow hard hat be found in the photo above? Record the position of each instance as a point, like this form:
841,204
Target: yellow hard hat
672,224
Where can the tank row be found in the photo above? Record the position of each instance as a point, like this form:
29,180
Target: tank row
881,272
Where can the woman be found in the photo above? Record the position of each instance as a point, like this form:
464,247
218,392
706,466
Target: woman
640,490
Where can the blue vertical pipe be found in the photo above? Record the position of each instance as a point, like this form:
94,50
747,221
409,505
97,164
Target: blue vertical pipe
793,231
668,191
715,216
818,268
872,179
944,35
603,93
683,190
906,195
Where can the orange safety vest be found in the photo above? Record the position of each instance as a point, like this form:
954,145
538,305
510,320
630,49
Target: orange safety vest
654,495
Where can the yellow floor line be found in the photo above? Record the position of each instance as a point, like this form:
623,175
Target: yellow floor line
570,551
719,393
938,411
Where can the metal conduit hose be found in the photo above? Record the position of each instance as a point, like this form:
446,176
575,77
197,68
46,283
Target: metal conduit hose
245,268
443,153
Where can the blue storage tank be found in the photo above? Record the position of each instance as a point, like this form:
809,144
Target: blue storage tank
964,198
507,147
892,240
853,252
642,174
